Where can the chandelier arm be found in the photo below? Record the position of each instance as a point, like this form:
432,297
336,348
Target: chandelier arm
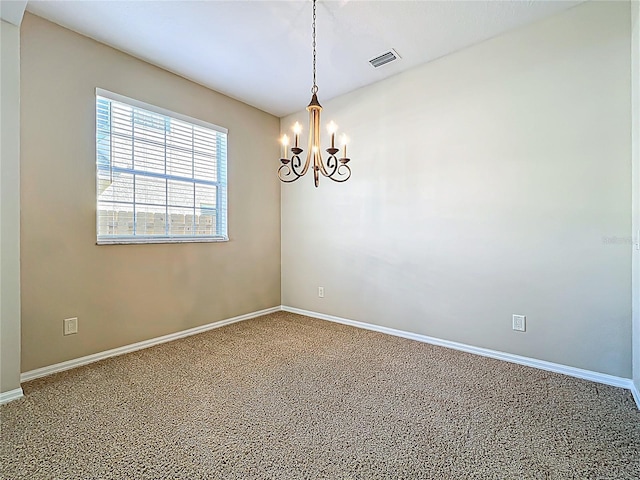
338,170
290,168
331,166
306,164
296,163
322,167
287,172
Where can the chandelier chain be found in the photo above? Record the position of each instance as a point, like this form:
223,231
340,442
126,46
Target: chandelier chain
314,89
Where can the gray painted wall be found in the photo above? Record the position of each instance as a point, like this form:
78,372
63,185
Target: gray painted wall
493,181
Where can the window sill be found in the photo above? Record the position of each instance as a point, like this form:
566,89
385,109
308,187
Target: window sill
151,240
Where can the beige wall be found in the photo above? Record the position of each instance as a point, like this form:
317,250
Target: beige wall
487,183
9,207
127,293
635,62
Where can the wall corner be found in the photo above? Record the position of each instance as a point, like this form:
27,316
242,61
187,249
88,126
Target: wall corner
10,210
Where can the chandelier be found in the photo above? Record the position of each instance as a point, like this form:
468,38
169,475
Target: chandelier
334,168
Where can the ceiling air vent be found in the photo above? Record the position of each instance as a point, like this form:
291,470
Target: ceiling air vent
385,58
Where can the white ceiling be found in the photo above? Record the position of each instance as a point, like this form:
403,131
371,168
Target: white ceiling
260,51
12,10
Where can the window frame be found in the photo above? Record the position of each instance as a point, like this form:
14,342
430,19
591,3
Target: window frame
221,183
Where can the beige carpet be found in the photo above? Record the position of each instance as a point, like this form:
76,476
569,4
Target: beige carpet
289,397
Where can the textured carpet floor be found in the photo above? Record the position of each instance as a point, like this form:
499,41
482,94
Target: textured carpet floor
289,397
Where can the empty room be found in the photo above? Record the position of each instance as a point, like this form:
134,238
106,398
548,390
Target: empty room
320,239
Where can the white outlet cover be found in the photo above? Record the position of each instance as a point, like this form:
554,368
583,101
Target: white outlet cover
70,325
519,323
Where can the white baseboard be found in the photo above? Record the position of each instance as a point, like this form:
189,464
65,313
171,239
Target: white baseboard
485,352
636,394
10,396
508,357
77,362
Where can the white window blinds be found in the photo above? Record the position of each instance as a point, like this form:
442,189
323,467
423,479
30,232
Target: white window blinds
161,176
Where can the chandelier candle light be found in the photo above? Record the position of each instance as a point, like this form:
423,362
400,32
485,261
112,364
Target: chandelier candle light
335,168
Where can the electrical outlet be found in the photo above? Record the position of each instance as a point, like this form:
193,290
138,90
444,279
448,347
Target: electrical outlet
519,323
321,292
70,326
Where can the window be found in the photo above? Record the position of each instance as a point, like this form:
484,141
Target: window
161,176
